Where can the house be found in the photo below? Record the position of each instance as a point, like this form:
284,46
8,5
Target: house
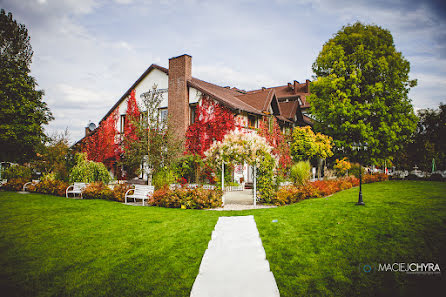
182,92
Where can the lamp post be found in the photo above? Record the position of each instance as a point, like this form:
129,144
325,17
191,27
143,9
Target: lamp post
360,146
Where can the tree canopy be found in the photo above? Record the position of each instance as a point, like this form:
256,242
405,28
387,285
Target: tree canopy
361,93
307,145
22,111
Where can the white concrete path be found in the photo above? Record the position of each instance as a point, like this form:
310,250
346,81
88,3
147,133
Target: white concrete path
235,264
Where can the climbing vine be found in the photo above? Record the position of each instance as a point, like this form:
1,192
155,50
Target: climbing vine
213,122
270,130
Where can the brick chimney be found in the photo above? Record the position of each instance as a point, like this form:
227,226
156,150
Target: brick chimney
180,71
307,85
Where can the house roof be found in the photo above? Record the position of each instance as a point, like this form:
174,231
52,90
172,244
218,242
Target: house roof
224,95
289,109
256,101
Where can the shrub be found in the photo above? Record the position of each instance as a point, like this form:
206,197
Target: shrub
49,186
98,190
300,172
293,194
17,172
14,184
265,175
89,171
436,177
198,198
119,191
342,166
164,177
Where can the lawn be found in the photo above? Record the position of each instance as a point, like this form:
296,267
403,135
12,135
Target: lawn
52,246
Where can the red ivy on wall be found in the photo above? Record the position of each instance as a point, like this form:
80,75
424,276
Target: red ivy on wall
270,129
132,116
212,122
102,146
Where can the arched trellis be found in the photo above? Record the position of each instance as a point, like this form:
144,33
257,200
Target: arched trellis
237,147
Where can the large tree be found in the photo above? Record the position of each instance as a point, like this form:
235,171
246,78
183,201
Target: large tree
361,93
22,111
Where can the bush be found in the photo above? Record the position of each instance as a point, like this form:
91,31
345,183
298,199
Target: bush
264,178
164,178
89,171
49,186
119,191
300,172
436,177
293,194
198,198
18,172
14,184
98,190
342,166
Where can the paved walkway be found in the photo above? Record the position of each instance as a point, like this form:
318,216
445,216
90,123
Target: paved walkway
235,262
239,197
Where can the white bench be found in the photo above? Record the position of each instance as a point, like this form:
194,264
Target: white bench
208,187
173,187
140,192
192,186
3,182
76,188
35,181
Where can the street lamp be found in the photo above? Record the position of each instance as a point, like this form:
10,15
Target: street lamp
360,146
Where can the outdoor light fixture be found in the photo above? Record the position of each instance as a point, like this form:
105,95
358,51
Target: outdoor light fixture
360,146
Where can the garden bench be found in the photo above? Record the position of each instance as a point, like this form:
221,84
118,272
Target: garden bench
35,181
140,192
3,182
192,186
208,187
76,188
173,187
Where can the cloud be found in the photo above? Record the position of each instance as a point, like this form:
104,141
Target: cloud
89,52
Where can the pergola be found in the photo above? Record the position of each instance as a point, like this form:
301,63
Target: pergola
237,147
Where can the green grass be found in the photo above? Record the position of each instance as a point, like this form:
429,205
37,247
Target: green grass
51,246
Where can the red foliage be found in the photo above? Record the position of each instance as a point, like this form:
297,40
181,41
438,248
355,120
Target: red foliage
276,139
102,146
132,116
212,122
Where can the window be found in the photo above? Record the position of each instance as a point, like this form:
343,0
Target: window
122,125
193,110
163,115
252,121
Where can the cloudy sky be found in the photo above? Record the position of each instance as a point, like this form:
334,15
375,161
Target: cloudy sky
87,53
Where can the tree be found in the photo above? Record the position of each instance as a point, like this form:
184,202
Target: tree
102,145
149,136
307,145
22,111
361,93
427,142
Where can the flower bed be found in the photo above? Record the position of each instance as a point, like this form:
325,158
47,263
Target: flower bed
198,198
321,188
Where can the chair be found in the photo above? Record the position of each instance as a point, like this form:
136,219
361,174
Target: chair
76,188
140,192
35,181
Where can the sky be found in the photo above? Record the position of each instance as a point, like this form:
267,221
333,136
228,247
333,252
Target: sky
87,53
